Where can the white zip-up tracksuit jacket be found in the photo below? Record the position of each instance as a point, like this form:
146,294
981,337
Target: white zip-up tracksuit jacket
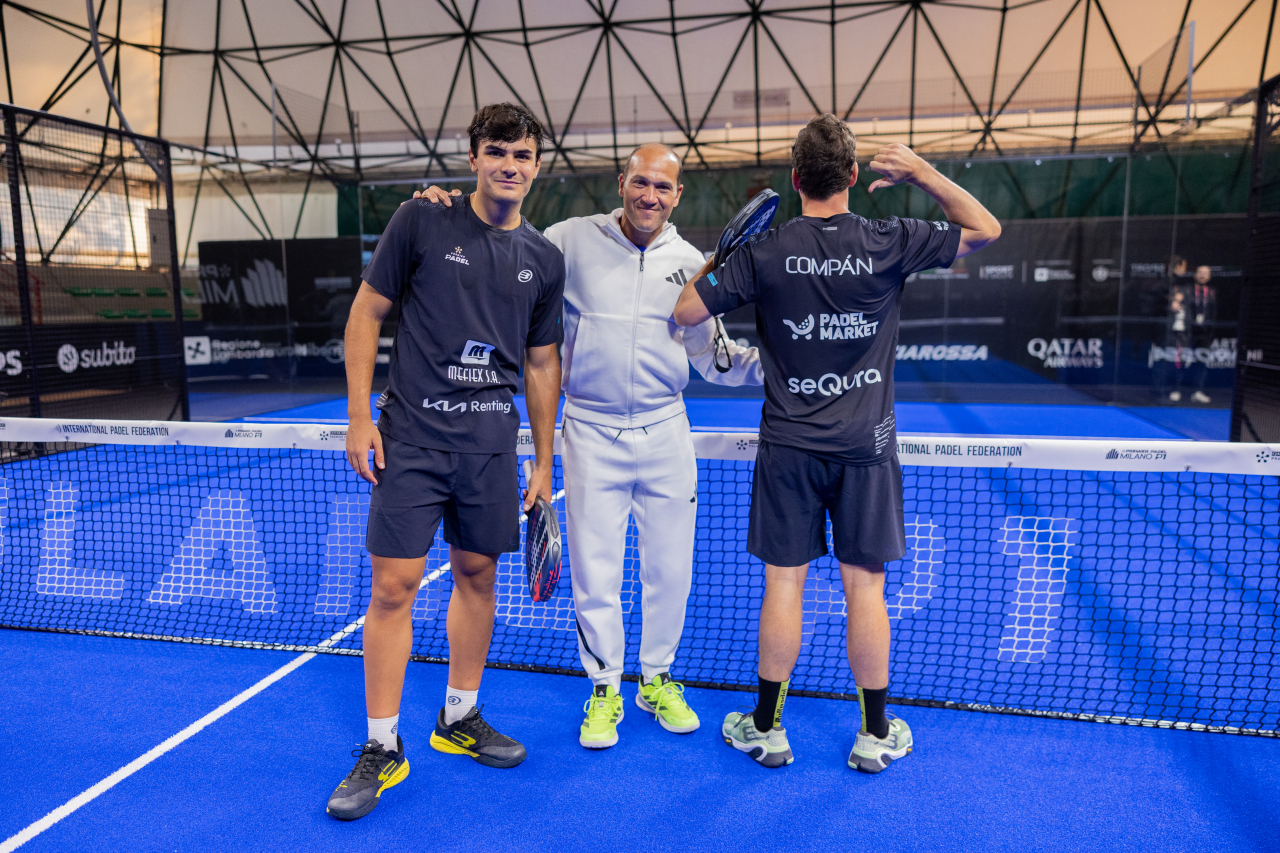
626,442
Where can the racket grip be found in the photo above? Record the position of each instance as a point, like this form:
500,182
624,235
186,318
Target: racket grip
528,471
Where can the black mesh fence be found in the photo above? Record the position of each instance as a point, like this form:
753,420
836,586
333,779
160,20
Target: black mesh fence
91,306
1255,411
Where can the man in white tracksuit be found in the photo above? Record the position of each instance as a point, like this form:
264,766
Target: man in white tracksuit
627,448
626,442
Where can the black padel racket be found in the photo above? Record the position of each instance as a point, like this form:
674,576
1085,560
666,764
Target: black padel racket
755,216
541,545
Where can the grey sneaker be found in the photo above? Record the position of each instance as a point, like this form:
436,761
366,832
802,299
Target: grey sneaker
872,754
770,749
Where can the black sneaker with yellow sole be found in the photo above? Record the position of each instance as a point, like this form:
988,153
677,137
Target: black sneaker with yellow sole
474,737
376,770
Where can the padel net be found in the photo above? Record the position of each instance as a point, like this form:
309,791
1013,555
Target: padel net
1126,581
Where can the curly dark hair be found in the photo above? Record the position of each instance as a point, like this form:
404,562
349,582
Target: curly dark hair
824,155
504,123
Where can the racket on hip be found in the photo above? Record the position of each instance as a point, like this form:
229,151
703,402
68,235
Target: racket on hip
542,547
755,217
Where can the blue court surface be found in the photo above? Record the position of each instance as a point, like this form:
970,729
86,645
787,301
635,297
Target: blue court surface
1074,421
257,779
77,709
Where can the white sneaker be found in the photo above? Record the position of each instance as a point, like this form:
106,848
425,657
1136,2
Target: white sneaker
1175,396
872,754
1200,397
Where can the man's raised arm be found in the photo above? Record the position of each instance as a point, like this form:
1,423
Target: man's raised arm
899,164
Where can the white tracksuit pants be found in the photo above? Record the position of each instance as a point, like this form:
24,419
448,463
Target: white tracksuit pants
652,474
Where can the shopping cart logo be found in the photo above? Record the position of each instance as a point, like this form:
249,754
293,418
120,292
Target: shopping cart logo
805,328
1137,455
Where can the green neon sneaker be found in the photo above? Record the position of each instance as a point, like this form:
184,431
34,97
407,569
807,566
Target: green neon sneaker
770,749
664,698
604,711
872,754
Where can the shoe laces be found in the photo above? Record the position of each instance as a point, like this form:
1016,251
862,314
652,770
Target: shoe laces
478,726
600,708
369,764
669,695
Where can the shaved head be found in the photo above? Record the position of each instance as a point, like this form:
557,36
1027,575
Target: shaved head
650,190
651,151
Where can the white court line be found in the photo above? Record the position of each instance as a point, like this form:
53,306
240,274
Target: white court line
87,796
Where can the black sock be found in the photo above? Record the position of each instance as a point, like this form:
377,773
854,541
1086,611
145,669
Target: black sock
873,718
768,712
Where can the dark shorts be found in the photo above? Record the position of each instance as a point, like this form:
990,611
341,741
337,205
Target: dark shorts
793,492
477,495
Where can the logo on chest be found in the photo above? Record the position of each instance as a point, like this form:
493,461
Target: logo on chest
476,352
678,278
457,257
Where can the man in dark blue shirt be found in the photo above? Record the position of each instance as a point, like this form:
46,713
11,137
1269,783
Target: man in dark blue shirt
480,294
827,288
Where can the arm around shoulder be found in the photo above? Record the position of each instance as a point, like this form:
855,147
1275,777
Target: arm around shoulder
690,309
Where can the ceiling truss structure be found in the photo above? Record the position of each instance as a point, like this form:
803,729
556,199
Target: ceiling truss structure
727,82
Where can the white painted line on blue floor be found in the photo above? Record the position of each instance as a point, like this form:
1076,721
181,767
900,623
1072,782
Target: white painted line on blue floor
90,794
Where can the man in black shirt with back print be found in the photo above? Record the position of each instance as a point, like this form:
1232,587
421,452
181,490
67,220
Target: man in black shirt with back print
827,287
480,294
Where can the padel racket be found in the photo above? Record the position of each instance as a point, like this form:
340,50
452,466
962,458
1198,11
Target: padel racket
755,216
541,545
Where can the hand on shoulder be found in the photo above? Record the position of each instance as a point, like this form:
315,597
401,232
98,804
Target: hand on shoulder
437,195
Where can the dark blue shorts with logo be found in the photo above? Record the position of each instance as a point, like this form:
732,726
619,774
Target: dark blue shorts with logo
793,492
477,495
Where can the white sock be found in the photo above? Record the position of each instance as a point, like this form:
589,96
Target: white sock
384,731
458,703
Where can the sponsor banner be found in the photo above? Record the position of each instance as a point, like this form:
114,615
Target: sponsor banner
274,309
1051,300
298,436
945,451
102,369
1219,354
1088,454
205,349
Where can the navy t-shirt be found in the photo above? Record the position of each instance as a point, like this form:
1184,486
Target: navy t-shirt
472,298
827,295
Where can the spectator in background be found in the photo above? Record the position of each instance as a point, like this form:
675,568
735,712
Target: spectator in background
1191,316
1176,337
1203,309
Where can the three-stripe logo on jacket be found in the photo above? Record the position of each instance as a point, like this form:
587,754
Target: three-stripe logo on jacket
678,278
